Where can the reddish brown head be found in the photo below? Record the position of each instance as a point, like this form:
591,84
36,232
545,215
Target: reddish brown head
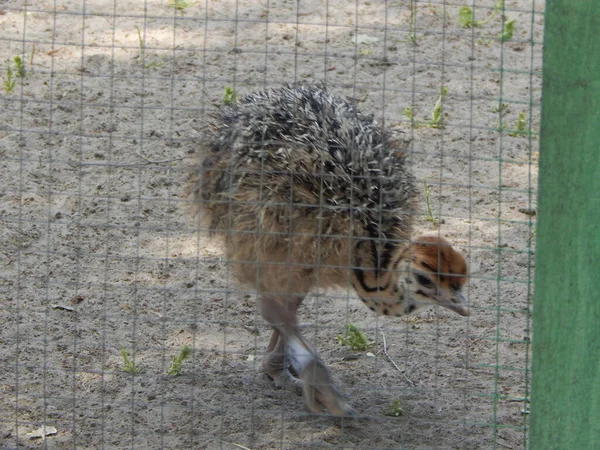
438,274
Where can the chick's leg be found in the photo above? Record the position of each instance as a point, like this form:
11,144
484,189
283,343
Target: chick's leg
274,363
315,379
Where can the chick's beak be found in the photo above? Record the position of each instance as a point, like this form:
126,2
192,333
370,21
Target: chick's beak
457,303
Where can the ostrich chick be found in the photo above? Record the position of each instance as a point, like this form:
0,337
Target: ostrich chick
307,191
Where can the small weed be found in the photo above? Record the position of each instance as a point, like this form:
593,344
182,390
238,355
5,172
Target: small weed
412,36
14,69
19,66
142,59
142,45
436,115
429,216
502,109
229,95
353,338
408,113
179,5
508,30
175,367
128,365
364,51
520,128
394,410
466,20
9,82
437,118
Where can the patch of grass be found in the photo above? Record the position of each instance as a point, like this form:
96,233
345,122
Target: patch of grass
364,51
508,30
465,17
175,367
179,5
520,128
394,410
354,338
436,115
429,215
14,69
229,95
128,365
9,82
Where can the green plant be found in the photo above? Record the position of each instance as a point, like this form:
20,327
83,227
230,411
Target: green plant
508,30
9,82
437,119
394,410
364,51
502,109
142,58
520,128
354,338
229,95
14,69
128,365
429,215
179,5
175,367
408,113
436,115
141,44
412,37
19,66
466,19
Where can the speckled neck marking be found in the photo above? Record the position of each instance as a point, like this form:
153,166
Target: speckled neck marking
396,305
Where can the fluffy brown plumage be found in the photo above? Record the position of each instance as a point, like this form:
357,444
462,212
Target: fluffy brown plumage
306,190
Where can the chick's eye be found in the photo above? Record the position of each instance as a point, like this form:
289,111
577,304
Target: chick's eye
424,281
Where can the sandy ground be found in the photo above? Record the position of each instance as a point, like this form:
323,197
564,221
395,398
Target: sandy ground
97,254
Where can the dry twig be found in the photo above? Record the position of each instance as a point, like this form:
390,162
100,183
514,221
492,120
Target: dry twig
392,361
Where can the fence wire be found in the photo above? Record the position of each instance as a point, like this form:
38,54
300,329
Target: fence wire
106,284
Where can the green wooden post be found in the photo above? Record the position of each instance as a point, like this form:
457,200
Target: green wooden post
565,409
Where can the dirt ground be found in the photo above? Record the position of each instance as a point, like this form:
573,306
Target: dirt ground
98,255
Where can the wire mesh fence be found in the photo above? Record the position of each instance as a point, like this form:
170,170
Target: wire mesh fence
125,327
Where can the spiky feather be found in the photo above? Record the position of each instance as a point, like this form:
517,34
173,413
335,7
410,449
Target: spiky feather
298,177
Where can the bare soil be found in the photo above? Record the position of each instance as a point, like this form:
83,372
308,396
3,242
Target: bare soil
98,254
